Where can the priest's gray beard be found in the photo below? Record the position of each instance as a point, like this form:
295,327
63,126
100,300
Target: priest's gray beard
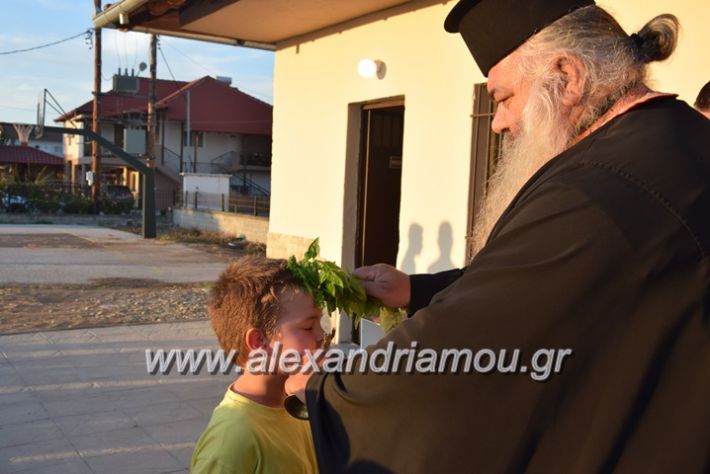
544,133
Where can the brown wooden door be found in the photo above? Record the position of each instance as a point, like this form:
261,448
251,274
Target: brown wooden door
380,185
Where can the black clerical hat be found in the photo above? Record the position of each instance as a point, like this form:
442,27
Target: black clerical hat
492,29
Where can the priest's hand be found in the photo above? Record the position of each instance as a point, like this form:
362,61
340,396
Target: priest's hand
385,283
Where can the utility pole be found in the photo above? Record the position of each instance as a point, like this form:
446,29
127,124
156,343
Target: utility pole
95,124
189,134
152,122
149,178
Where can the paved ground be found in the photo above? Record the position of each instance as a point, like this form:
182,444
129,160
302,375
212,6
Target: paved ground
28,254
81,401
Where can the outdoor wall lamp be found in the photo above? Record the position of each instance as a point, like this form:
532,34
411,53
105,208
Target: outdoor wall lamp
369,68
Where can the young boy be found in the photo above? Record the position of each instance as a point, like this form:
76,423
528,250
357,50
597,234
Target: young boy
256,303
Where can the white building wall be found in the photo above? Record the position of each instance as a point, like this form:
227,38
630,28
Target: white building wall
55,148
688,69
73,144
206,183
212,189
170,138
215,144
316,80
314,84
107,131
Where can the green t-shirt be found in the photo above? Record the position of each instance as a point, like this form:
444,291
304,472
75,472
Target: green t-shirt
244,437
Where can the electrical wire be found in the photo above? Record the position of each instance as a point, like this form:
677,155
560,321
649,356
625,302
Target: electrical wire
2,106
115,47
192,60
83,33
122,49
135,51
162,55
250,92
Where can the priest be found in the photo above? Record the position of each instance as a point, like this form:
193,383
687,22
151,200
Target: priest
594,238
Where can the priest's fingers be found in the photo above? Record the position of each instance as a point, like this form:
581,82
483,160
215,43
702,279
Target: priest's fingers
385,283
368,273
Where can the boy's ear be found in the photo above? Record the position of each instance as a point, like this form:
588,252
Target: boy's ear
255,339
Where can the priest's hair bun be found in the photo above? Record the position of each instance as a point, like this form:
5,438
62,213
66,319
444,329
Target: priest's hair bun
658,38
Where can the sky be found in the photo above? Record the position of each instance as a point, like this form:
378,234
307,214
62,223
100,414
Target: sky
66,69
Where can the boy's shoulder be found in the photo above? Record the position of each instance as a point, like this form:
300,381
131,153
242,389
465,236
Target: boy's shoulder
230,441
241,437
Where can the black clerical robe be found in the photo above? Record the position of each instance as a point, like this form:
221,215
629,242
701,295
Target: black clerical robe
605,252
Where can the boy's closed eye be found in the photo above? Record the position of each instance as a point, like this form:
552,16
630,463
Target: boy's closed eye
310,324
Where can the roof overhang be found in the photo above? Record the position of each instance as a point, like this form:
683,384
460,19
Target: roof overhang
259,24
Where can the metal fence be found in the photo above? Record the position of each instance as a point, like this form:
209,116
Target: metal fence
253,205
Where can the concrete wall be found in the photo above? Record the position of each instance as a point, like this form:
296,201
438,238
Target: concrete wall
317,101
254,228
206,183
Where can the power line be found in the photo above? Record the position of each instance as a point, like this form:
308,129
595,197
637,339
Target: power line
160,49
2,106
118,53
177,85
255,94
135,51
83,33
192,60
122,48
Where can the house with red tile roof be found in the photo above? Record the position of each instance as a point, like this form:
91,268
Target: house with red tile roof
49,141
203,126
26,162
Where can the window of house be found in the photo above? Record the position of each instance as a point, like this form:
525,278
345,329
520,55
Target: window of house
118,130
200,136
485,152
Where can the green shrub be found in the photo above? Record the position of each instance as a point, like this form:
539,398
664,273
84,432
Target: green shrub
114,207
46,205
77,204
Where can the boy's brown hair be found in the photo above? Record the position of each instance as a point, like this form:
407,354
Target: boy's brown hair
245,296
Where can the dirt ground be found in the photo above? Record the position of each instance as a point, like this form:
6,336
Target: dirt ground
104,303
112,302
